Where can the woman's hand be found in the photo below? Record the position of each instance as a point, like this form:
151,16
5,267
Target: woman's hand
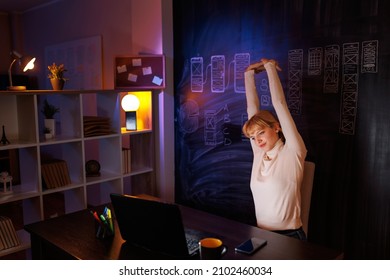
259,66
265,60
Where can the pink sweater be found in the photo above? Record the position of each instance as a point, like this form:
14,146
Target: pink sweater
275,184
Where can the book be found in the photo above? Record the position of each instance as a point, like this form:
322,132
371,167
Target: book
55,174
126,160
9,238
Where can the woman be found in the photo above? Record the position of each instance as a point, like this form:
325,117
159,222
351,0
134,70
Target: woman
279,155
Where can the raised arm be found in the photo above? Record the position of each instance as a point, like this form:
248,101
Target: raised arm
290,131
252,99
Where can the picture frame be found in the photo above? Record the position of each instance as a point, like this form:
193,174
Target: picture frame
140,72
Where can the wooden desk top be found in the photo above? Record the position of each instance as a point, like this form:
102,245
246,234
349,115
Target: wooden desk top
74,235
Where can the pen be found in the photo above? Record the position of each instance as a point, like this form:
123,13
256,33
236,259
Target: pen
105,222
110,219
94,214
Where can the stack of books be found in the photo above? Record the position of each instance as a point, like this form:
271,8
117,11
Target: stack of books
95,126
126,160
55,174
8,236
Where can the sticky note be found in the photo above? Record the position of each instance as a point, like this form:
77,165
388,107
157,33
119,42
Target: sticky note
132,77
157,80
137,62
121,69
147,70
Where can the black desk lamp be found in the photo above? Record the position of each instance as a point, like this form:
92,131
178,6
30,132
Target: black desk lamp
25,62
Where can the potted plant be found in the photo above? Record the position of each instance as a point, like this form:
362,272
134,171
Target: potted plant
56,76
47,132
49,110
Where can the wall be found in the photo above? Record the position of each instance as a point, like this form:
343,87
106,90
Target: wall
6,44
334,56
126,27
71,20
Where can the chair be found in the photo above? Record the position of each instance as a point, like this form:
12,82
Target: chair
306,190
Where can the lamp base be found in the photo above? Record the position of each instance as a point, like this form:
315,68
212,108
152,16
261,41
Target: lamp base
16,88
131,120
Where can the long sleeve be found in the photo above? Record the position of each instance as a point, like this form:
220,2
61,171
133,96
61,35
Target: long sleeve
290,131
252,99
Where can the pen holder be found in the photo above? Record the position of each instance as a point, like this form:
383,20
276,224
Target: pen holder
104,230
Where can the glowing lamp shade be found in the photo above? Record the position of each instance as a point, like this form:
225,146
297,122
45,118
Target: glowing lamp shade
130,105
24,62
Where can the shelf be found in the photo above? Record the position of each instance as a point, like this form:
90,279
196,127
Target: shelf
24,238
31,200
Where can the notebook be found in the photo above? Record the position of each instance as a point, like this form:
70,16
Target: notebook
154,225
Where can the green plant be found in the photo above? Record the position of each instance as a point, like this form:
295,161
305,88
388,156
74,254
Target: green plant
49,110
57,71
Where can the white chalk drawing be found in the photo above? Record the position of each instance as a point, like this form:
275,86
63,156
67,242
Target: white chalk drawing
329,58
210,129
331,69
189,116
219,73
197,74
294,95
264,85
241,63
265,100
369,63
214,128
349,91
314,61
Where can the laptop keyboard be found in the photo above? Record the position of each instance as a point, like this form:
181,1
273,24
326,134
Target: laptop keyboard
193,237
192,244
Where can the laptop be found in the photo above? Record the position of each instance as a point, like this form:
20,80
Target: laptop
154,225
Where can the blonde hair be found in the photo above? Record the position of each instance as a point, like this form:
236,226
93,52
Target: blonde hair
260,120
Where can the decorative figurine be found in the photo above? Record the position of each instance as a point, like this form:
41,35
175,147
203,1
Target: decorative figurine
4,139
6,178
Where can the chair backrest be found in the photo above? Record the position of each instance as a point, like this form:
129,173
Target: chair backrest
306,190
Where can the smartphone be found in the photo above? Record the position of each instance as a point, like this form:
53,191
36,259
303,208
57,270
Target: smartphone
251,245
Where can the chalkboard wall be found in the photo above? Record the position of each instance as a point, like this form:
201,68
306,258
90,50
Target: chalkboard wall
334,56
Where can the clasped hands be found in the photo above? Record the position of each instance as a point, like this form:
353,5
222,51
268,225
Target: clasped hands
259,66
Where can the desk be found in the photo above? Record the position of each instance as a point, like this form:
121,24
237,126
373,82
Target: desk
72,236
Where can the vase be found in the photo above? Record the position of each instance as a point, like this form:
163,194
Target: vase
57,84
51,125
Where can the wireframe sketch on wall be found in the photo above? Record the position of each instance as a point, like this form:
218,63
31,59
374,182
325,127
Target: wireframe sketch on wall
349,90
219,73
82,59
369,62
349,76
215,129
315,61
331,69
295,68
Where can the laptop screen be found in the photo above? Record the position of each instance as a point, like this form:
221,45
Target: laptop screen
154,225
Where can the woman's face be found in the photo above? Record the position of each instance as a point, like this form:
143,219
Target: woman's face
265,137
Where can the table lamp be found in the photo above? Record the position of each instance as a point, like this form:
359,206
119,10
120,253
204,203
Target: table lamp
130,105
25,62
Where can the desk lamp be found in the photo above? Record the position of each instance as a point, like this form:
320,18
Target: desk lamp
25,62
130,105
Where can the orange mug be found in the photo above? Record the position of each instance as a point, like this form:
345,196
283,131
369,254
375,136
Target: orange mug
211,248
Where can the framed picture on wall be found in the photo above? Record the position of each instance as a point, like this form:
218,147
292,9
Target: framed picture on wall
140,72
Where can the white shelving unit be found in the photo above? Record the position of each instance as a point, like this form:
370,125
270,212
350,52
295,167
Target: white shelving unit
30,201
